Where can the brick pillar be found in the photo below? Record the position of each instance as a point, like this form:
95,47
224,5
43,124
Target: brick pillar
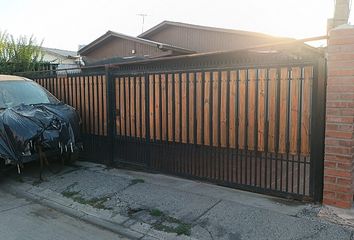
338,186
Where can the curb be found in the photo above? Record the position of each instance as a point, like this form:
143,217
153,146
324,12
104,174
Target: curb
22,191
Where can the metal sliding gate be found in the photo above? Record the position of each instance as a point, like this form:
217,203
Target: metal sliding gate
256,127
259,129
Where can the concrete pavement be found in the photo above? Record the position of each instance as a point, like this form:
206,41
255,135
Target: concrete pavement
155,206
24,219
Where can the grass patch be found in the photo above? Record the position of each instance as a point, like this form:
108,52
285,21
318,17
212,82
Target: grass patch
136,181
181,229
170,224
69,194
93,202
156,213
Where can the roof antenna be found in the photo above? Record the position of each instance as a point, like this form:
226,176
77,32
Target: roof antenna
142,15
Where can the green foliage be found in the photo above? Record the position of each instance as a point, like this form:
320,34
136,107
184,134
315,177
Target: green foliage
19,55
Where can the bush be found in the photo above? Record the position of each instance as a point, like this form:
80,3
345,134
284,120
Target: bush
20,55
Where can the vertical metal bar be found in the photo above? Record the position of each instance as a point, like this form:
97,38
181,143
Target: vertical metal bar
318,130
211,168
181,161
160,106
277,119
154,108
174,123
195,126
89,86
299,129
187,165
147,120
219,125
238,177
266,128
228,127
257,156
110,113
135,120
202,85
246,127
288,122
166,89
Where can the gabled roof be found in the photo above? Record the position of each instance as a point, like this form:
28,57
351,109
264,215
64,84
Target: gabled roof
60,52
166,24
111,34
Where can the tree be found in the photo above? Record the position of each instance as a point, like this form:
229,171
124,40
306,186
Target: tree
19,55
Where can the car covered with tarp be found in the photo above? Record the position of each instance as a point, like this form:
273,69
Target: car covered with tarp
33,123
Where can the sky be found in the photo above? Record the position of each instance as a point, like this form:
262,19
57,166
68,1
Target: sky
66,24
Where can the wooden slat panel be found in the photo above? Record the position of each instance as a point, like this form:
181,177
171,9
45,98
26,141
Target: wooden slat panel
82,101
75,82
91,104
138,107
170,104
127,106
223,109
241,107
252,78
232,118
215,108
207,86
122,106
294,108
306,110
283,109
184,108
177,108
272,100
132,106
69,93
87,103
163,106
191,108
97,106
262,74
157,107
199,107
151,106
143,106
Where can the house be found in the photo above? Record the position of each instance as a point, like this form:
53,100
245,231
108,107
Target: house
117,47
205,39
168,39
60,59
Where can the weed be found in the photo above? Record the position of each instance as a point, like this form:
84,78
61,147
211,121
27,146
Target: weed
136,181
170,224
156,213
93,202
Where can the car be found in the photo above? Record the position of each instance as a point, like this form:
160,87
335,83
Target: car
35,124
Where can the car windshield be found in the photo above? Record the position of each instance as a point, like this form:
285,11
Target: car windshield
14,93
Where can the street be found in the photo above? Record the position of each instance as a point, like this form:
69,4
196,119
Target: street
22,219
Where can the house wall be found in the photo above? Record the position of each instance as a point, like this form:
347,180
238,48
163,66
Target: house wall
204,40
122,48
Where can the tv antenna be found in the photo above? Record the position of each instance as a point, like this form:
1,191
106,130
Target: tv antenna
142,15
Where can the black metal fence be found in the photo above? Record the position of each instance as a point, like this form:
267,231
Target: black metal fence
256,125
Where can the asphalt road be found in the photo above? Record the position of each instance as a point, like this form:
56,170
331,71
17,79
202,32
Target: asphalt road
22,219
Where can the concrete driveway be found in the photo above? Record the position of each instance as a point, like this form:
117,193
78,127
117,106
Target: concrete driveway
156,206
23,219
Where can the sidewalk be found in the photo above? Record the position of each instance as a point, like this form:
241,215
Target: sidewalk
153,206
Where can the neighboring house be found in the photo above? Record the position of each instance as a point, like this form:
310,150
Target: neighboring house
60,59
205,39
119,47
169,39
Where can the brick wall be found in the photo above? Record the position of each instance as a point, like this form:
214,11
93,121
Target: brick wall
339,143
